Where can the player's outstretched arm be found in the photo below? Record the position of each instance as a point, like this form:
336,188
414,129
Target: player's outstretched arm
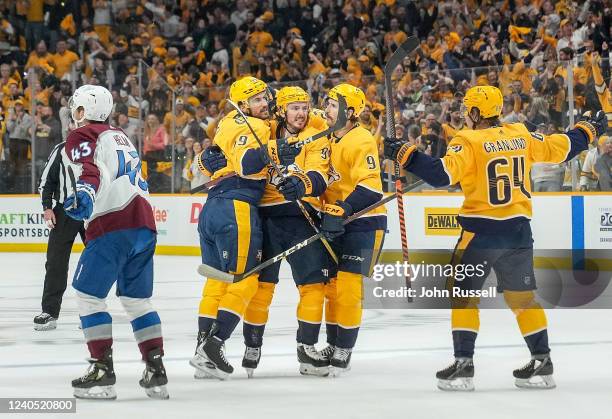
556,148
446,171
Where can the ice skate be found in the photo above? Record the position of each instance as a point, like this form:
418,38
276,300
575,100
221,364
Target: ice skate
198,359
312,362
211,353
251,360
328,352
340,362
458,376
154,378
99,380
536,374
45,321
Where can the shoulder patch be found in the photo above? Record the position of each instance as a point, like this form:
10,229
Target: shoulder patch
537,136
455,148
238,119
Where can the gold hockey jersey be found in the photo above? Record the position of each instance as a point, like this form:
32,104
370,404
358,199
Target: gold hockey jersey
354,177
492,166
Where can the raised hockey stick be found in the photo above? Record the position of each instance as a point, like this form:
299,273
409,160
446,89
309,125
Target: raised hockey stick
277,169
206,186
74,187
398,56
209,271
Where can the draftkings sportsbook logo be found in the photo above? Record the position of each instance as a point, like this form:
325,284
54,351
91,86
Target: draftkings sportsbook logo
23,225
441,222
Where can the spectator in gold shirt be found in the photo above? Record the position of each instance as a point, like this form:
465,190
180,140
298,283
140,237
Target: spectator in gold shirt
181,117
259,38
63,59
40,57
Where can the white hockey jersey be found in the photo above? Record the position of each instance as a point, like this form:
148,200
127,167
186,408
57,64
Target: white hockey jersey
104,157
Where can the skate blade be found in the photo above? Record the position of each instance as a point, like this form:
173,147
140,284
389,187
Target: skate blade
337,371
213,372
308,369
202,375
158,392
96,393
458,384
537,382
47,326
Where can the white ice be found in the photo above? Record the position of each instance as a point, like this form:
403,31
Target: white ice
397,354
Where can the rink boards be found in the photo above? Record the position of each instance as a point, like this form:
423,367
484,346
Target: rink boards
560,221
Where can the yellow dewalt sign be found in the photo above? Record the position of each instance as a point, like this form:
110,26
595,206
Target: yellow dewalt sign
441,222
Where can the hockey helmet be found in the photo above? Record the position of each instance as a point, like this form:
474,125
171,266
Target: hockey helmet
96,101
245,88
354,96
290,94
487,99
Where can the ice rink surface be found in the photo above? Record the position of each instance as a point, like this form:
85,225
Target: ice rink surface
397,354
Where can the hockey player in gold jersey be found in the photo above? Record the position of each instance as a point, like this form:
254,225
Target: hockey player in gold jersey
492,162
354,183
229,225
284,225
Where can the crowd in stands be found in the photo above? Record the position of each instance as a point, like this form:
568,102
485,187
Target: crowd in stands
169,63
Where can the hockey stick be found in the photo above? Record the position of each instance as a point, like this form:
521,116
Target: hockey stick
398,56
283,176
209,271
340,123
210,184
74,187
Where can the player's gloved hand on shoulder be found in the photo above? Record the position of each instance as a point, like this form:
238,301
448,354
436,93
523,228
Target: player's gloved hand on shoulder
283,151
332,224
397,150
295,186
211,160
594,125
85,197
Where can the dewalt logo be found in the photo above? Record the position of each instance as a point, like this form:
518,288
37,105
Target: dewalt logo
441,222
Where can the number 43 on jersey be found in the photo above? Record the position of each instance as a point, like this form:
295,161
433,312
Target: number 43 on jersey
129,165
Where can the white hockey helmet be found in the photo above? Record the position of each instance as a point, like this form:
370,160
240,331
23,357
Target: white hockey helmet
96,101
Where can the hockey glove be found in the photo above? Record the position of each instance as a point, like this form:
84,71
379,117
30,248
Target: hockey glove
211,160
332,225
296,186
398,150
593,125
85,197
283,151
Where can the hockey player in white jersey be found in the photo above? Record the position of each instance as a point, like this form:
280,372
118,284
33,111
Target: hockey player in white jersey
112,197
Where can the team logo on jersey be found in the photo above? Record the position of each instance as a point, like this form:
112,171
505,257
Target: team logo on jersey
238,119
274,179
456,148
333,176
